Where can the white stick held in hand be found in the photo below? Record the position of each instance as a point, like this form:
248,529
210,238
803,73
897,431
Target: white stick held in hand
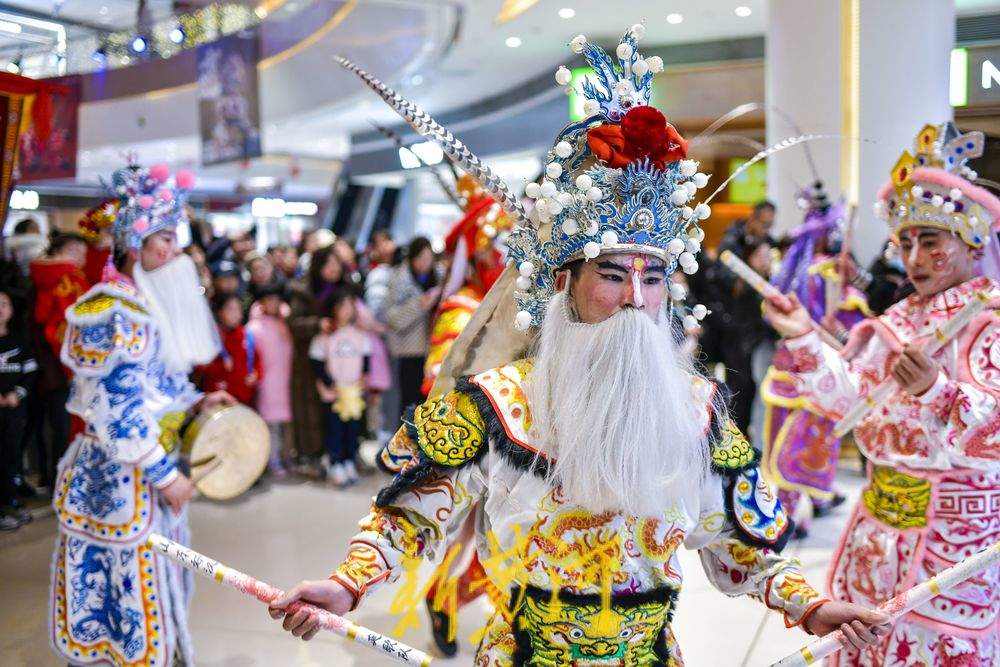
901,604
887,387
768,291
266,593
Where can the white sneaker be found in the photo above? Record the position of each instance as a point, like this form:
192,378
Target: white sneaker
351,470
338,474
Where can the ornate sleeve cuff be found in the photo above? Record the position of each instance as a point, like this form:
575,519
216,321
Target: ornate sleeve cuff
363,568
162,472
940,398
805,352
790,593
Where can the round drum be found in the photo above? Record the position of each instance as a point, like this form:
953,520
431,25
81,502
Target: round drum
228,448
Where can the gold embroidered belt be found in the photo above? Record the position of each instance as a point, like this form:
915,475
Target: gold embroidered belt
897,499
575,630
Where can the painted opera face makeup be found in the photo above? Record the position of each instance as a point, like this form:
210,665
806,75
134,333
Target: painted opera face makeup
936,260
605,285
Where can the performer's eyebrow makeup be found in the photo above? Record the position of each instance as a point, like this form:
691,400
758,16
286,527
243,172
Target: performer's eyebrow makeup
609,265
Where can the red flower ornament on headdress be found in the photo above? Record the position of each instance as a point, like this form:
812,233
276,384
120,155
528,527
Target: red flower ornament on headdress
644,133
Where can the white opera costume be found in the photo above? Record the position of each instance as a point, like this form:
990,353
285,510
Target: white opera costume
111,601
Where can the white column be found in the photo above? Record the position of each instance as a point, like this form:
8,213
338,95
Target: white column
802,79
905,49
874,69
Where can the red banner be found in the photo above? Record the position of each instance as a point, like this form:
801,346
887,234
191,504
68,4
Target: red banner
54,156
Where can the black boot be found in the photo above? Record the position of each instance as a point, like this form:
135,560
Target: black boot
439,630
824,509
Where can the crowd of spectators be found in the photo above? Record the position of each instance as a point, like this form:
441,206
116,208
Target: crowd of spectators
327,344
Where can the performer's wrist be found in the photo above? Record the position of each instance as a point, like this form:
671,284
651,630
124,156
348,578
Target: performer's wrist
161,472
804,619
932,392
804,337
336,578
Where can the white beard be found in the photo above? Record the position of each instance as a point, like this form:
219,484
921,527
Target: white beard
188,333
613,404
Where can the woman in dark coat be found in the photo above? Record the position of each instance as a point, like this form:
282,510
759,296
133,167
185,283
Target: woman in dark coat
307,297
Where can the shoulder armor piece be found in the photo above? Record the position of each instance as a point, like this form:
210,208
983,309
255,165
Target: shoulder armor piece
731,451
756,512
108,324
450,430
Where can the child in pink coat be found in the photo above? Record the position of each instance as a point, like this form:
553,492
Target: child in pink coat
273,341
342,363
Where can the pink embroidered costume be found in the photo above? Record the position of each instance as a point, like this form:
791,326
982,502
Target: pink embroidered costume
933,496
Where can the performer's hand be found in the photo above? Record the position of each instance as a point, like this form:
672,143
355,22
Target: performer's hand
252,380
178,492
214,399
325,594
861,627
847,267
790,322
914,371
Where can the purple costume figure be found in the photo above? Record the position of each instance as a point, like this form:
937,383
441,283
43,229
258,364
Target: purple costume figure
800,450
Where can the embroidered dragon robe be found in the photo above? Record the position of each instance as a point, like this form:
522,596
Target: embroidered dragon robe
111,600
580,588
933,496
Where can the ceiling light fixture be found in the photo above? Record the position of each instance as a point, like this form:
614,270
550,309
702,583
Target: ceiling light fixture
177,35
100,56
301,208
14,66
513,42
11,27
24,200
567,13
138,44
743,11
674,19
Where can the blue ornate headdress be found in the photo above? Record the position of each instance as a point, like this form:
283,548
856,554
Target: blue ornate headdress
614,182
148,202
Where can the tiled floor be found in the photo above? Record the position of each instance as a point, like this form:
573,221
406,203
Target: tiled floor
283,533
